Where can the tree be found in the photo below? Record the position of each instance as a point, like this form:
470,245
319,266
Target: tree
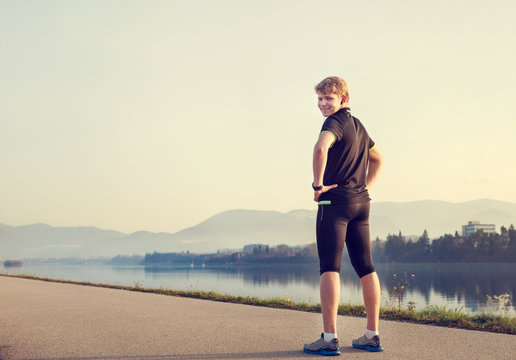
394,247
423,247
511,250
445,249
377,250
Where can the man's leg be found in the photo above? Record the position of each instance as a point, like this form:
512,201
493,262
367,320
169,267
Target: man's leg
359,249
330,298
331,235
371,290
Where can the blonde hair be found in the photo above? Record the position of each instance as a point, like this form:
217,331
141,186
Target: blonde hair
333,85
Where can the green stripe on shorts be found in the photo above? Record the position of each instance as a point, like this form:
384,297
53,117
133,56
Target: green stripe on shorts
325,202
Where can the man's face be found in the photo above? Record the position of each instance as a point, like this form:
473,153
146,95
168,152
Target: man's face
329,104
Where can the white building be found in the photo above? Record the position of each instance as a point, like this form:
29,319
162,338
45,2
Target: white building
473,226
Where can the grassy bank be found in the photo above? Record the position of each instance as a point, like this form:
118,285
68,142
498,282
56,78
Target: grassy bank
433,315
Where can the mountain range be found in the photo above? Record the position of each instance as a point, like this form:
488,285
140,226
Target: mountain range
233,229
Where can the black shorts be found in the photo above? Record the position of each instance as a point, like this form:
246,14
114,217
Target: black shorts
339,224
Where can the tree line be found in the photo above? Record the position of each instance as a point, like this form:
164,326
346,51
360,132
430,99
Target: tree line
252,254
480,247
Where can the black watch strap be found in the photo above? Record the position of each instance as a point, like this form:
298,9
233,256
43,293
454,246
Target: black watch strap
317,188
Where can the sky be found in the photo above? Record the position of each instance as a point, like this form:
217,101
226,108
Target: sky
155,115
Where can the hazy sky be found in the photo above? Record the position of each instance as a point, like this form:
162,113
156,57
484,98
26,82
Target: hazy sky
154,115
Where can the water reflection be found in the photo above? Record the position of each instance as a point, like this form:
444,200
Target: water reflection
452,285
456,285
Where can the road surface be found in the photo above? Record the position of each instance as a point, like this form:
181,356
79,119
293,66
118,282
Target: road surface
45,320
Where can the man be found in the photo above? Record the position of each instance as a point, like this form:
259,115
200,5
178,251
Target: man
346,164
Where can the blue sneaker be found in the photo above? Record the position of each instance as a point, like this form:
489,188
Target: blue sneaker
368,344
321,347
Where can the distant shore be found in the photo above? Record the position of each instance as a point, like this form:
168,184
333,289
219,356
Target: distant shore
13,263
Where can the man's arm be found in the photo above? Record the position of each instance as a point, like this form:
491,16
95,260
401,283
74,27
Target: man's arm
326,139
375,165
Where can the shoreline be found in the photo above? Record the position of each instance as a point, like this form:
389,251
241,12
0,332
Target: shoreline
433,315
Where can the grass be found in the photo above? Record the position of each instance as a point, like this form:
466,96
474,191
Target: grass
455,318
433,315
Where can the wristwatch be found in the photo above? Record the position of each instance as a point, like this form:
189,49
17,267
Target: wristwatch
317,188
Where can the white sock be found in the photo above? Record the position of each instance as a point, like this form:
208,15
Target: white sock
329,336
369,333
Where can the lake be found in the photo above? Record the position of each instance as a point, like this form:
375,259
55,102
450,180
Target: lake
456,286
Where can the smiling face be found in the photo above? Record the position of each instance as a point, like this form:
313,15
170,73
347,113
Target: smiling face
330,103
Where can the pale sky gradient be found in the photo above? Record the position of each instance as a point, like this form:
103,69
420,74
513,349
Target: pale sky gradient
154,115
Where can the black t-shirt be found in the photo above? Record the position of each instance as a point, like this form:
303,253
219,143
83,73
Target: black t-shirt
348,158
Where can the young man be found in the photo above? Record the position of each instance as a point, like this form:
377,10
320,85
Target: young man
346,163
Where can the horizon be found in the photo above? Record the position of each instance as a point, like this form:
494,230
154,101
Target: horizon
242,209
234,228
156,115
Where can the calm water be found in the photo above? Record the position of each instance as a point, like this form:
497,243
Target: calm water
463,286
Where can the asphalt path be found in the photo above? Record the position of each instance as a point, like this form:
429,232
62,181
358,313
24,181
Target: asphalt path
45,320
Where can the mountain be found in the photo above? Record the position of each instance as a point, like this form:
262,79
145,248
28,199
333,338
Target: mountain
230,229
235,228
